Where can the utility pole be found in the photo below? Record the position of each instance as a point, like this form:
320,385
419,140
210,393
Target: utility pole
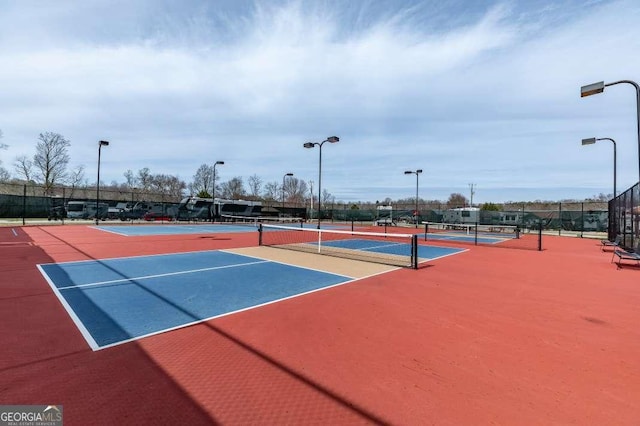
473,191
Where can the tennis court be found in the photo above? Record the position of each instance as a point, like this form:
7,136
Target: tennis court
113,301
192,229
529,337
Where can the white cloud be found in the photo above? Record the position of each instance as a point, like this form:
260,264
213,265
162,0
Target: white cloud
490,98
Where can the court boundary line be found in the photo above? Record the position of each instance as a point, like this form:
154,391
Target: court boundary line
133,257
72,314
462,239
393,268
96,347
169,226
261,260
461,250
168,274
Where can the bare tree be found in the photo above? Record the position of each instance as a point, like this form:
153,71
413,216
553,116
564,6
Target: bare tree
295,190
51,159
202,180
456,200
255,184
271,191
76,179
130,179
24,168
326,198
4,174
233,189
170,186
145,179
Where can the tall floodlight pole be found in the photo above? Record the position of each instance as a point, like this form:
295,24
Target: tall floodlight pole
591,141
598,87
283,177
213,190
100,145
330,139
311,203
417,173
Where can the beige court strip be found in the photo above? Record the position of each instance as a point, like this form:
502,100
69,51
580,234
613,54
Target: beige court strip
335,265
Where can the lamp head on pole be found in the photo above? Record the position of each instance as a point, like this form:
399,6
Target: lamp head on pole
308,144
104,143
219,162
289,174
407,172
418,171
592,89
333,139
588,141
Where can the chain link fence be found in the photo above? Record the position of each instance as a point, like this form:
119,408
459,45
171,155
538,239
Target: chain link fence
19,201
624,218
577,218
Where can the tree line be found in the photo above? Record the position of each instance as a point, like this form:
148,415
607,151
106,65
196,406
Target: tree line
49,168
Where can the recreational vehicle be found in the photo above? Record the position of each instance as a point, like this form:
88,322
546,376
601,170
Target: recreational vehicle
196,208
462,215
86,210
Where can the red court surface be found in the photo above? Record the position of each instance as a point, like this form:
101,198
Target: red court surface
490,336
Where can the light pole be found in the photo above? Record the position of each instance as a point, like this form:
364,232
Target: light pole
100,145
417,173
330,139
311,204
592,89
591,141
213,190
287,174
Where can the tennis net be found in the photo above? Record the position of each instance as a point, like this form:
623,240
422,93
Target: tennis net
257,220
502,231
390,249
488,235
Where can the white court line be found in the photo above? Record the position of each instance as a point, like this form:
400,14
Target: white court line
168,274
83,330
15,234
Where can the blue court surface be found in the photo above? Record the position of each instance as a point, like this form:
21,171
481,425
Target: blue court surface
113,301
149,230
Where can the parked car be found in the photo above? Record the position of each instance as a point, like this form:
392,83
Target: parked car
385,221
149,216
57,213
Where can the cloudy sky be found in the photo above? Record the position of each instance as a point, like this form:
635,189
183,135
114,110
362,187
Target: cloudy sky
470,91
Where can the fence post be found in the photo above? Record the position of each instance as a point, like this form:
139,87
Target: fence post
582,215
560,218
24,203
540,236
475,234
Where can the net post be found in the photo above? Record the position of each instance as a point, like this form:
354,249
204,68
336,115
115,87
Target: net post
260,234
414,251
352,222
426,229
475,233
540,236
